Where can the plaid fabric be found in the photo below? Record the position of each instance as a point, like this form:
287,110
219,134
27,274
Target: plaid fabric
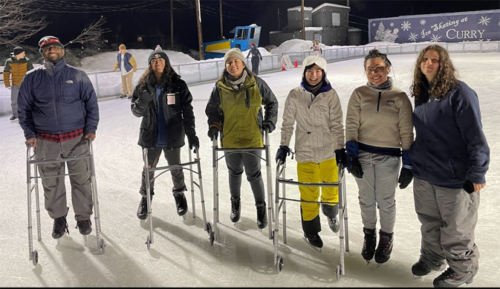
60,137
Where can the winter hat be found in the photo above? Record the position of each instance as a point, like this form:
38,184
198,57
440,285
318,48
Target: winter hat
311,60
234,52
122,46
158,53
18,50
49,40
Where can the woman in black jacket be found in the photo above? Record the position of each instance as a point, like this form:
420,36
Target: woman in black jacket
163,101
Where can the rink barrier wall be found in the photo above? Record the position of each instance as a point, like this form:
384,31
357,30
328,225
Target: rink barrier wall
210,70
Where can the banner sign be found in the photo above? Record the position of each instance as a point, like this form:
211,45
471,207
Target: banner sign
446,27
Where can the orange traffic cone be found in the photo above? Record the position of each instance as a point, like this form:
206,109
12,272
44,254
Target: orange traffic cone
283,66
296,64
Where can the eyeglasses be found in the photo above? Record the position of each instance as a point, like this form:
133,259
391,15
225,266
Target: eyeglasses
53,47
375,69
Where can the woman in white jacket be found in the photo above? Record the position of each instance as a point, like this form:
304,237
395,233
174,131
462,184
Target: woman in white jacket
315,108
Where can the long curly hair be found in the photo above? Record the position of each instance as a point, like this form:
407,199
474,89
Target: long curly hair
167,76
445,79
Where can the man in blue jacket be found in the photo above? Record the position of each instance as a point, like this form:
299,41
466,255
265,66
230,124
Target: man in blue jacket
58,112
127,65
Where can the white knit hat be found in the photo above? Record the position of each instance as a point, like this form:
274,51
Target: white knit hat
310,60
234,52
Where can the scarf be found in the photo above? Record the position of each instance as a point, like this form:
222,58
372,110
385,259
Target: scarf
236,82
384,86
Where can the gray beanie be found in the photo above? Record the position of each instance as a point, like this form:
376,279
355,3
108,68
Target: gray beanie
235,52
158,53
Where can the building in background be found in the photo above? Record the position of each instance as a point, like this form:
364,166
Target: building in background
327,23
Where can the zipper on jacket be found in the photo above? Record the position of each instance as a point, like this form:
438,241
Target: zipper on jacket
379,97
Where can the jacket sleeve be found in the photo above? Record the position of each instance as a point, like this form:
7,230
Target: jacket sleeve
468,119
6,74
269,101
288,119
30,64
405,123
133,63
352,117
140,101
89,98
213,111
187,109
25,107
116,65
336,121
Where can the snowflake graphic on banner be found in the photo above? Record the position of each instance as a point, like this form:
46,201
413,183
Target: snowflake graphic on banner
423,22
406,25
392,24
484,20
413,37
435,38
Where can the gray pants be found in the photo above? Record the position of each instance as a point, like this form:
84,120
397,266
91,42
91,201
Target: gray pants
251,161
377,187
54,187
14,92
448,218
173,157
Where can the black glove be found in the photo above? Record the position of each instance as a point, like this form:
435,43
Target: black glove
269,126
468,187
354,167
193,142
405,178
213,132
341,157
281,154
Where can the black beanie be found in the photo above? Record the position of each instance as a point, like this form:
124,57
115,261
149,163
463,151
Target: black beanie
158,53
18,50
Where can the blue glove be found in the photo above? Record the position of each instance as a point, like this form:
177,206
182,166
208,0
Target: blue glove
281,154
353,166
341,157
269,126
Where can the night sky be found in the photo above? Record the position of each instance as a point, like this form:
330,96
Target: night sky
151,18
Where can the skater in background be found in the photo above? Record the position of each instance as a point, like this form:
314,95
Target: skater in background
314,108
16,66
127,65
316,48
256,58
450,159
58,112
163,100
379,133
235,111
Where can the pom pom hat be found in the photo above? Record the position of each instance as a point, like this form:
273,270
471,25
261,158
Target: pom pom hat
158,53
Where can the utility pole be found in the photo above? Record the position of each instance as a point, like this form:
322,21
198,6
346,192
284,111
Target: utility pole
303,22
221,30
279,19
200,36
172,24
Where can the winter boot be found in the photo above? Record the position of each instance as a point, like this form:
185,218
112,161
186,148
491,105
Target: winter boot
331,215
180,203
235,209
142,211
314,240
420,268
85,227
60,227
450,278
261,215
384,248
369,244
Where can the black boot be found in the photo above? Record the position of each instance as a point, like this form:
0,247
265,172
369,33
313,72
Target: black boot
314,240
261,215
384,248
142,211
369,244
421,268
60,227
180,203
235,209
85,227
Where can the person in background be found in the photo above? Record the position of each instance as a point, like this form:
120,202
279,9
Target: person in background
379,131
450,159
314,108
58,112
316,48
127,65
16,66
256,58
235,111
163,100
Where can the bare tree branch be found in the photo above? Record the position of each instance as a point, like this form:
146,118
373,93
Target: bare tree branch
18,21
91,36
